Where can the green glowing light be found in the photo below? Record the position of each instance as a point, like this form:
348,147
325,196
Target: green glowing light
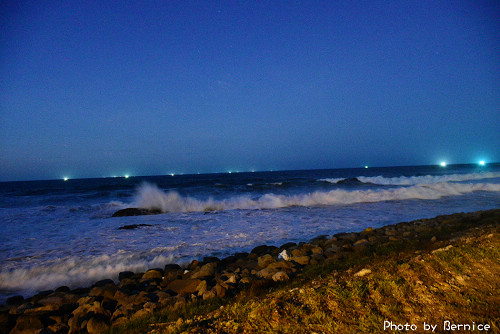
482,162
126,176
443,164
65,179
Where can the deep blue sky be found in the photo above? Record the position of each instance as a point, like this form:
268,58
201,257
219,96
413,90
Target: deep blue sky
101,88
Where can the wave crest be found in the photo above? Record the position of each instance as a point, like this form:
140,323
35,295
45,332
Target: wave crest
151,197
415,180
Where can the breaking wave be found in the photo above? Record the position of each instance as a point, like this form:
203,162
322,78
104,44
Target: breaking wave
79,272
149,196
415,180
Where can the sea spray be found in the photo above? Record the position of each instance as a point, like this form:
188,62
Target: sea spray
415,180
151,197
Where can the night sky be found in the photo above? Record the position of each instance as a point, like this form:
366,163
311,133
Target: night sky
104,88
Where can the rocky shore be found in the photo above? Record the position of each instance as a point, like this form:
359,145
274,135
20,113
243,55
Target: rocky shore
107,304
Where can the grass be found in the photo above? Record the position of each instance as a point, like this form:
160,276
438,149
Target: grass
408,283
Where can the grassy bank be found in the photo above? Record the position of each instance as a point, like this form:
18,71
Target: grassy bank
445,269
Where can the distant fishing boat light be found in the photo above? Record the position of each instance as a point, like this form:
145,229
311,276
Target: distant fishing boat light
443,164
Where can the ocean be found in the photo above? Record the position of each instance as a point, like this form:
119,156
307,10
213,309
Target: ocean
55,233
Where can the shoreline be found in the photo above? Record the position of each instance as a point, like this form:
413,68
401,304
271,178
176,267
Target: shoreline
107,304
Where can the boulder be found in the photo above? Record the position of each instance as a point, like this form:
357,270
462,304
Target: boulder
280,276
15,300
97,324
133,226
206,270
303,260
153,274
125,274
184,286
25,323
265,260
136,212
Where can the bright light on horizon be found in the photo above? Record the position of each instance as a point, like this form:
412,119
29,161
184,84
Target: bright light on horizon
65,179
482,162
126,176
443,164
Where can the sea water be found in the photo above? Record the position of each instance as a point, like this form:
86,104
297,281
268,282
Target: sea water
55,233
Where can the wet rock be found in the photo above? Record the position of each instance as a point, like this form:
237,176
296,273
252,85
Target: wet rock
288,245
350,181
103,282
261,250
63,289
133,226
172,267
103,291
125,274
136,212
209,259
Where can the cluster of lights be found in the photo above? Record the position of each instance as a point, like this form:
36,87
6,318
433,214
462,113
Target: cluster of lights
480,163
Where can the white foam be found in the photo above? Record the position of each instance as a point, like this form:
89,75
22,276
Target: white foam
426,179
77,272
414,180
150,197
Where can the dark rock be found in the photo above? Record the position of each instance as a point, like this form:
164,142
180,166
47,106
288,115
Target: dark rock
15,300
288,245
63,289
319,238
209,259
194,264
172,267
133,226
184,286
125,274
44,293
136,212
25,323
153,273
103,282
263,249
97,324
350,181
81,291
